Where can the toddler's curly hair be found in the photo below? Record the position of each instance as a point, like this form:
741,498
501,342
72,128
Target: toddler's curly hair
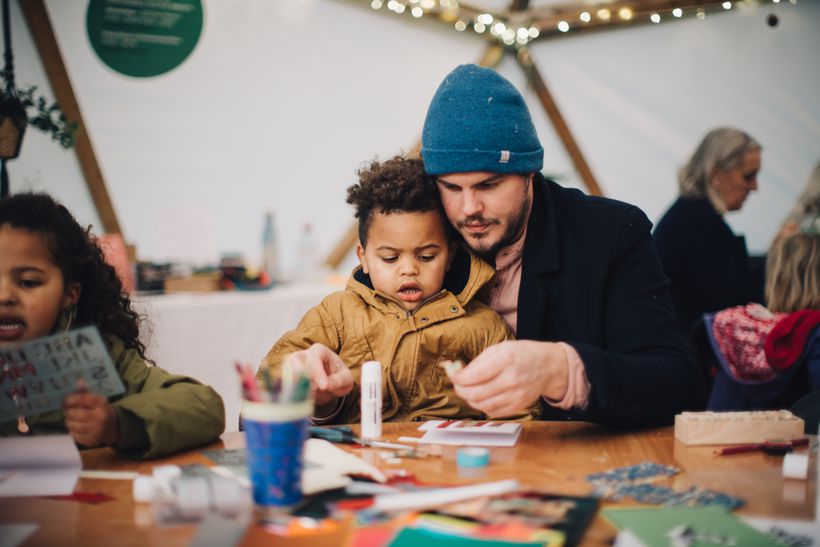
398,185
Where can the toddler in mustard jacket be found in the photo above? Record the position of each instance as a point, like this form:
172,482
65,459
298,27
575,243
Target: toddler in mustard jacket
411,305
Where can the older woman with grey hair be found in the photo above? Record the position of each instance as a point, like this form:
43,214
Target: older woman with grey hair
708,264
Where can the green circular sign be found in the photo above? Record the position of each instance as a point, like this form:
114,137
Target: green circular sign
143,38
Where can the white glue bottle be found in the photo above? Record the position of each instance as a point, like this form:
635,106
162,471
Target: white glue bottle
371,399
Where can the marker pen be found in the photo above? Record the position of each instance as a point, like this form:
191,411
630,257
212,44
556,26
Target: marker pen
371,399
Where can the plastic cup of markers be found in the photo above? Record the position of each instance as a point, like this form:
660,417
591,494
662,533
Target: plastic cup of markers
275,435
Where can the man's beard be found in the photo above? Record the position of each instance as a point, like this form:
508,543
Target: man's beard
514,229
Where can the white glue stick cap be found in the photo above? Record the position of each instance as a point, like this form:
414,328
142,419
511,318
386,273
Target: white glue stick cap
372,371
796,466
371,400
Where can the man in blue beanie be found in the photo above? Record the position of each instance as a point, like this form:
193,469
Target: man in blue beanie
578,278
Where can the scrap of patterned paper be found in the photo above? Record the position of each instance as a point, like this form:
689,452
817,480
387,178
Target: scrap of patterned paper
635,474
636,481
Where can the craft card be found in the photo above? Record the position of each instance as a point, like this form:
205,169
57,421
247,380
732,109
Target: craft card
687,526
36,376
325,466
470,432
520,516
637,481
796,533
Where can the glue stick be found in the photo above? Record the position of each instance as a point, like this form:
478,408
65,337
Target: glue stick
371,400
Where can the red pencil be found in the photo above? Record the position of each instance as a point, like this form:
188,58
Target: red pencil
771,447
250,389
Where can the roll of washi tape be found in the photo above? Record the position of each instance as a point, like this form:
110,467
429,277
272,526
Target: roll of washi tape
193,496
143,489
796,466
472,457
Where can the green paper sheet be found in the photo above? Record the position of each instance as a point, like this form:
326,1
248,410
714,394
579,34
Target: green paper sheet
705,526
413,537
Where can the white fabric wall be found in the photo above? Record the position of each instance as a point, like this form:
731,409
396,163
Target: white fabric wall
280,102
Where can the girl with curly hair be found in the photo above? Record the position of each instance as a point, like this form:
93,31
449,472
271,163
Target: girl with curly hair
53,277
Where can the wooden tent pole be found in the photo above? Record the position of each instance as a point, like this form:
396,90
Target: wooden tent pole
42,32
540,86
347,242
492,56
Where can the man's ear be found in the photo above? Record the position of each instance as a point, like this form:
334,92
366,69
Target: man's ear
72,295
360,254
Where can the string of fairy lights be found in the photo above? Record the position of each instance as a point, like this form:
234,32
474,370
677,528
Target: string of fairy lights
511,31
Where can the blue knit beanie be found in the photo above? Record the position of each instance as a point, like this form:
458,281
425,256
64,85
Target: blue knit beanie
478,121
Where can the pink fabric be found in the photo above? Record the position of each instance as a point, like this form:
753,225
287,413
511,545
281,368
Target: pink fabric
577,394
740,334
504,300
507,282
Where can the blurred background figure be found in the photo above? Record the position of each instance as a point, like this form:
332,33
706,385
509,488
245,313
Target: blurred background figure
708,265
769,357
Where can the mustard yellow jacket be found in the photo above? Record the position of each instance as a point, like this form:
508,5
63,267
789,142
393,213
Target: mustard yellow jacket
361,324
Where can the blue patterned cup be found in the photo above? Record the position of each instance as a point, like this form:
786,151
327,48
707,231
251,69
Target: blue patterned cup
275,435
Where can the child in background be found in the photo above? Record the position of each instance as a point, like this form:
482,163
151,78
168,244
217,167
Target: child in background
770,356
411,305
52,278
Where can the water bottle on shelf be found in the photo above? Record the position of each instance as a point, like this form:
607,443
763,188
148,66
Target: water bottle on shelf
307,265
270,251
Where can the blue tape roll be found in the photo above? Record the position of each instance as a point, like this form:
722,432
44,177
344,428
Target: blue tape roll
473,457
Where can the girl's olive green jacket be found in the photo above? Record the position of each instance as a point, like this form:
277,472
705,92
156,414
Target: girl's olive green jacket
159,412
362,324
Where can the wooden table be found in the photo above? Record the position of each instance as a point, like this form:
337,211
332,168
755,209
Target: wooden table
550,456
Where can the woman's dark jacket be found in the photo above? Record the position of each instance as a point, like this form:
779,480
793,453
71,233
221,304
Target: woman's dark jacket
707,264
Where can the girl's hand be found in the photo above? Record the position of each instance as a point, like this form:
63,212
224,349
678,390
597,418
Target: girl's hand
90,419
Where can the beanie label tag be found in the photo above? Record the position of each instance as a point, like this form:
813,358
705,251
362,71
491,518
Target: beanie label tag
505,156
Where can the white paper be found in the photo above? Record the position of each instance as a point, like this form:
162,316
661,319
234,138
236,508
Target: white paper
799,532
327,467
460,433
12,535
626,538
109,475
47,465
420,499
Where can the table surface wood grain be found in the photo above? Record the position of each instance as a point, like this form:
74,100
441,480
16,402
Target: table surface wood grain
553,457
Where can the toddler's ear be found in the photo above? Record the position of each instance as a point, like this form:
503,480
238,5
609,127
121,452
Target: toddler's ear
362,260
453,251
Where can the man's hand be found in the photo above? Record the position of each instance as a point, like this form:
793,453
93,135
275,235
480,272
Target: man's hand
90,419
329,376
510,376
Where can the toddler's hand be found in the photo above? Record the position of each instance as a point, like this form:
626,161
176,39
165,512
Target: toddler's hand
90,419
329,377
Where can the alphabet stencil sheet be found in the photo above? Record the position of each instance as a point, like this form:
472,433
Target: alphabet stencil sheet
37,375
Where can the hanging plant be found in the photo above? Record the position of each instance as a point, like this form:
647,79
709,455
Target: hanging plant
22,107
48,118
